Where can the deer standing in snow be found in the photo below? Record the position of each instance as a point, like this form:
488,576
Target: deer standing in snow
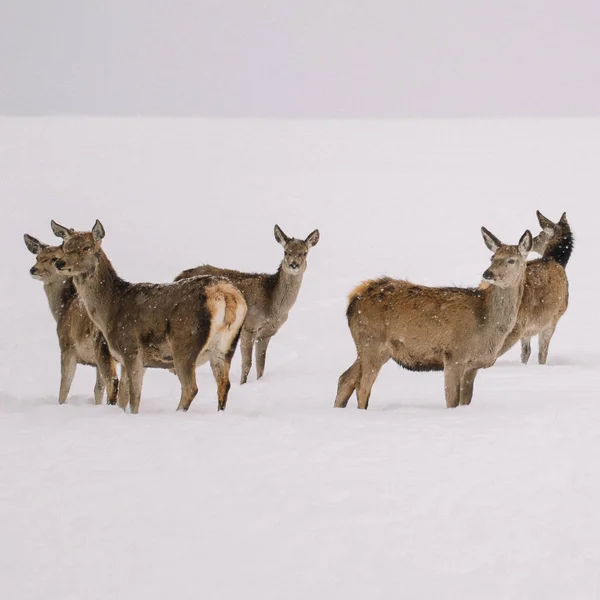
546,292
79,339
457,330
169,326
269,296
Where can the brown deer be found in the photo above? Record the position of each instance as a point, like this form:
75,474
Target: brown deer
165,326
79,339
269,297
457,330
546,292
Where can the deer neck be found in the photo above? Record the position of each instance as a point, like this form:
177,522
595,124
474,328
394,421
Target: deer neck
60,294
100,291
285,291
501,306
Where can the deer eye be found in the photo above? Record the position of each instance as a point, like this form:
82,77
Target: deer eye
87,248
511,261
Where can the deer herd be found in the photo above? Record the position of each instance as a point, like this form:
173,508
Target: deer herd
103,320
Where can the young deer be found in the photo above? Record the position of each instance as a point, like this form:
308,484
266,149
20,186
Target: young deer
79,340
546,291
269,297
165,326
457,330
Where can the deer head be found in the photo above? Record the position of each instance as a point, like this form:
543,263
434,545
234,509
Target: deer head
46,258
508,262
550,231
81,249
295,250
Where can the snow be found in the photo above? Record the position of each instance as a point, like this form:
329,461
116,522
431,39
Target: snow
283,496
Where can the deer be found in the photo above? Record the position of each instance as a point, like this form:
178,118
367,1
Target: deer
79,340
165,326
546,292
454,330
270,297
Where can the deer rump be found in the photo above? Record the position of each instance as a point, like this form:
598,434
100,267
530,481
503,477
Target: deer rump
418,327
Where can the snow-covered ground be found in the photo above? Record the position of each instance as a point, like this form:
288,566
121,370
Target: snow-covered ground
283,496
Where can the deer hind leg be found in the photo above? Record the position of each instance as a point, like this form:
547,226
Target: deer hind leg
185,367
261,355
68,365
544,343
452,380
466,386
525,349
368,374
107,372
220,368
246,343
134,368
347,384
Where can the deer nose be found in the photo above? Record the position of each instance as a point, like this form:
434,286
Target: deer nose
60,264
294,265
33,270
487,274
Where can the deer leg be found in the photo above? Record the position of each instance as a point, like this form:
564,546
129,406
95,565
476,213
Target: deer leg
368,374
186,372
466,386
544,343
452,379
525,349
107,372
246,343
220,368
347,384
134,368
68,364
261,355
99,387
123,393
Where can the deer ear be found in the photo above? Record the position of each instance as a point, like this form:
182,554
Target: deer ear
545,223
34,246
280,236
491,241
61,231
563,219
98,231
313,238
525,244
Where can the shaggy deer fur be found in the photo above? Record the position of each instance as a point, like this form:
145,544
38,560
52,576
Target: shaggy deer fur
269,297
169,326
546,292
79,340
457,330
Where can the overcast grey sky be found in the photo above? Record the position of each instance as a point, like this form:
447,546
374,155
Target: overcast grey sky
301,58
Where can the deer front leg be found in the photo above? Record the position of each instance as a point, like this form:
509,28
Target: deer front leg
68,364
107,371
134,368
261,355
525,349
99,387
466,386
452,379
246,343
123,394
